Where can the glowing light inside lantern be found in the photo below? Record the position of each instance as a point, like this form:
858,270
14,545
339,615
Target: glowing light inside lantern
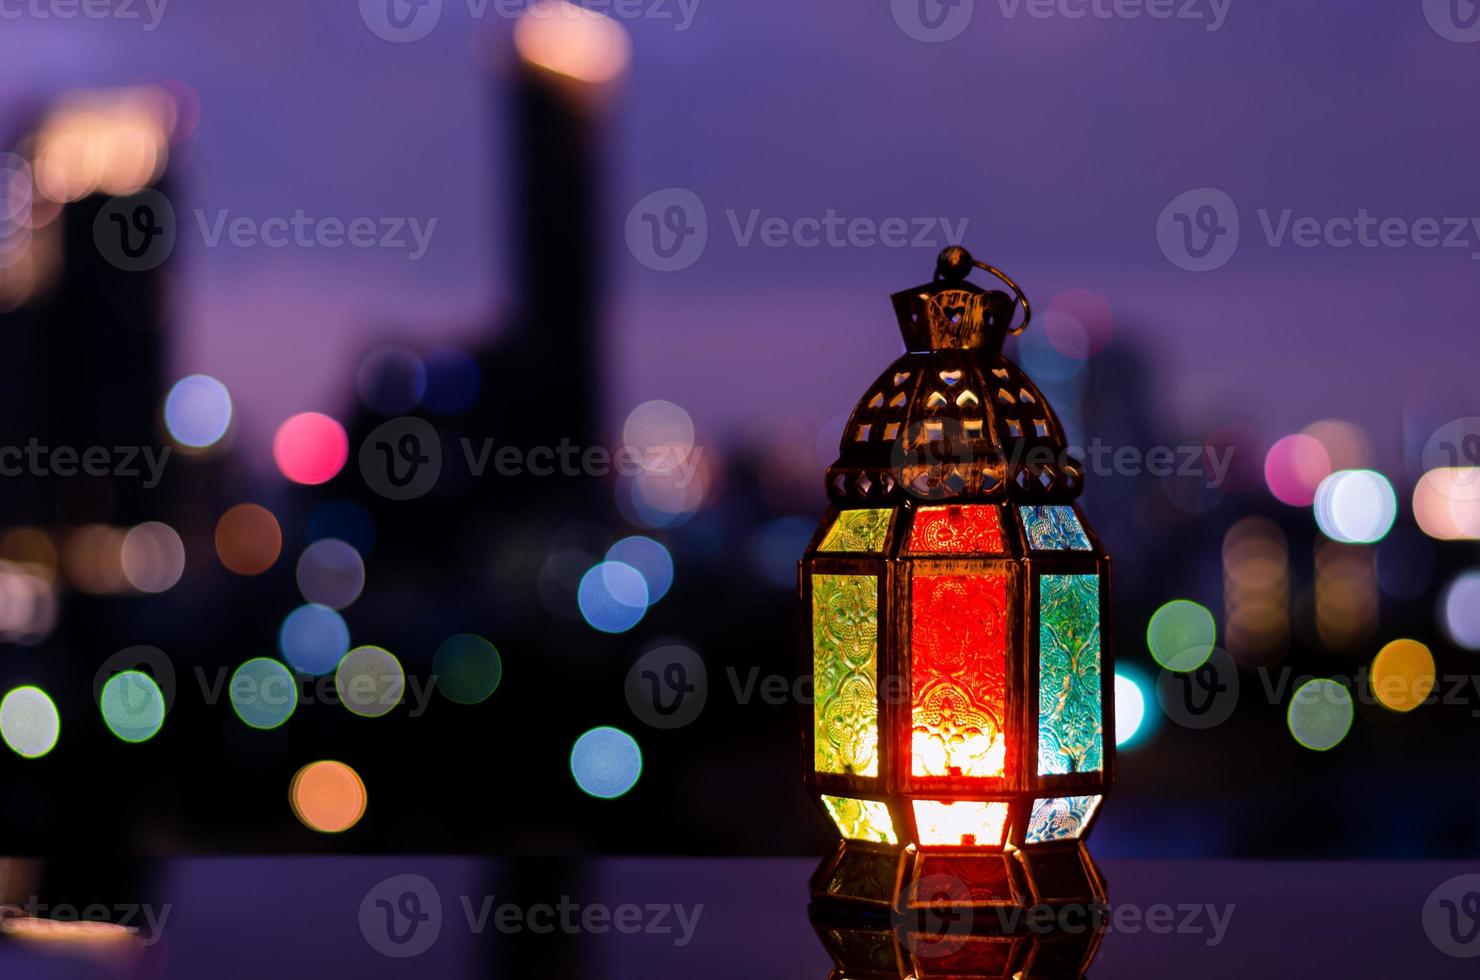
958,703
963,823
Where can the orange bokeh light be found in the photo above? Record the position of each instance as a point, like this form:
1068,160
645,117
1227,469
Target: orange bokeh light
328,796
248,539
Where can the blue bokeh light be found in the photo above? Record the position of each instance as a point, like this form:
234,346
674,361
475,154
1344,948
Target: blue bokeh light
313,639
606,762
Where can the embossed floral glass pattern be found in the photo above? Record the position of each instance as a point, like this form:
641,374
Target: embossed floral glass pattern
957,531
861,819
1069,737
1054,527
858,530
845,711
958,650
964,823
1060,818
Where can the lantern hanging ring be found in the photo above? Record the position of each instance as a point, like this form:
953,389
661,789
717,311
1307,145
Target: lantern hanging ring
956,263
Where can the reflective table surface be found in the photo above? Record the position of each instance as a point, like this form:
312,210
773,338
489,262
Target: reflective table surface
691,917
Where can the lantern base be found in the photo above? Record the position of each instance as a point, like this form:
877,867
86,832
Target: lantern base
858,874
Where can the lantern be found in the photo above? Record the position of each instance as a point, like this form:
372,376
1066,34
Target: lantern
955,621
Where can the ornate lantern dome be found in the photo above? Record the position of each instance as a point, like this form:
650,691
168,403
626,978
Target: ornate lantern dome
952,419
955,624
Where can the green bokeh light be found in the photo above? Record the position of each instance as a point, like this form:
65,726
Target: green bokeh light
1320,714
1181,635
29,722
468,668
263,693
133,706
370,681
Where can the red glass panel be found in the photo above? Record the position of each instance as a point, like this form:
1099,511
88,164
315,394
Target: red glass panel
957,531
958,647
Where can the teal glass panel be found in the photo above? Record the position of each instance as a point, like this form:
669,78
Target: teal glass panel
1069,723
1054,527
1060,818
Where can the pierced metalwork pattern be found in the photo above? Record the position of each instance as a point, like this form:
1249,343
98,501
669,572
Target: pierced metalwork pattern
1069,723
861,819
958,647
858,530
845,712
957,531
1060,818
1054,527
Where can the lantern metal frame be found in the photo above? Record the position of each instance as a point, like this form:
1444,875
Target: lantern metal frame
975,452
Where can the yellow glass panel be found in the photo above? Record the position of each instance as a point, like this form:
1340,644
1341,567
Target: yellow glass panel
858,530
861,819
845,647
964,823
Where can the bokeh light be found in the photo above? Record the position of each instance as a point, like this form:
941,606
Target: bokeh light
310,448
1320,714
1403,675
331,573
1355,506
197,411
571,40
1460,610
29,722
370,681
1078,323
1256,590
1294,467
263,693
468,668
658,425
613,596
153,557
1130,709
248,539
313,639
606,762
92,559
133,706
1446,503
1347,446
453,381
651,559
328,796
391,380
1181,635
775,546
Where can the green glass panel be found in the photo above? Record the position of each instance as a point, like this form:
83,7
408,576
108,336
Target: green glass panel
861,819
845,711
1069,736
858,530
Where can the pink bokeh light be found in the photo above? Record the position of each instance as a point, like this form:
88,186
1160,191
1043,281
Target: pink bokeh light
1294,467
310,448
